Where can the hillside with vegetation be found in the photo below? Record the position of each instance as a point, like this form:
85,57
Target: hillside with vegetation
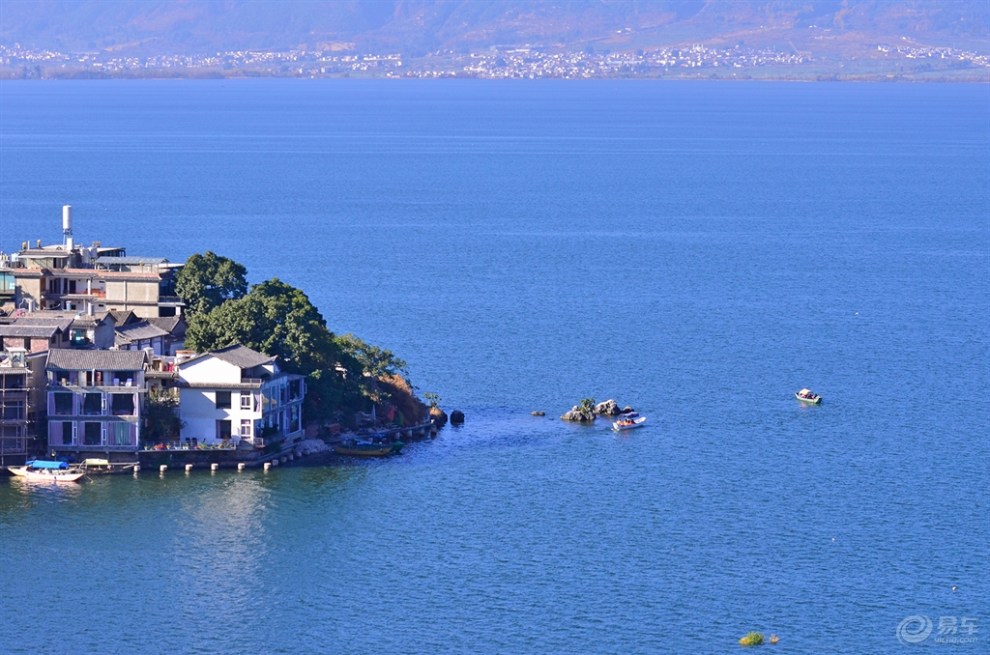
54,38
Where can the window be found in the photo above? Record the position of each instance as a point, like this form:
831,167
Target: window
123,404
68,433
12,381
93,403
92,434
223,400
223,430
12,410
63,403
246,428
245,401
122,434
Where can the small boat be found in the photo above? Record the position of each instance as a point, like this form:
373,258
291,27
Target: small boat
364,448
99,466
808,396
628,421
42,470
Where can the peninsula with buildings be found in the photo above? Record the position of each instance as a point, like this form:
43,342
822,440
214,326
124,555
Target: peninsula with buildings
102,358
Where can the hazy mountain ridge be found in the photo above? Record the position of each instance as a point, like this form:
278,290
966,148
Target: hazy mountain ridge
837,28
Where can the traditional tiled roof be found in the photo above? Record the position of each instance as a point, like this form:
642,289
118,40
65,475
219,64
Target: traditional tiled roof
141,330
242,356
238,355
30,331
172,324
93,360
123,317
55,322
64,319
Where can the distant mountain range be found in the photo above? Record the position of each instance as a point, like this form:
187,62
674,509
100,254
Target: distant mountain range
831,28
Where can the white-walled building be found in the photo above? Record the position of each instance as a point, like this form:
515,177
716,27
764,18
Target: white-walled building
236,395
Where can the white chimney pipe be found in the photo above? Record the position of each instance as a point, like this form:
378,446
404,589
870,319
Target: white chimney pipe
67,226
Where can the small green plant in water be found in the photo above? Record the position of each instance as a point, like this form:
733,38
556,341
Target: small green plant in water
587,405
752,639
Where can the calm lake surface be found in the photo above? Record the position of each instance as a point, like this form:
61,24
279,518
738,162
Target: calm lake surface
697,250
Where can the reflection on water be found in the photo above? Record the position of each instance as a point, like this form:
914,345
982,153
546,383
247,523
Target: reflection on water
32,493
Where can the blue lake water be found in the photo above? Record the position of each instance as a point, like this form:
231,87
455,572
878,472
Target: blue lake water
697,250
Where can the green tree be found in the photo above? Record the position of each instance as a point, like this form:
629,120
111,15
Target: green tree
206,281
377,362
162,416
587,405
278,319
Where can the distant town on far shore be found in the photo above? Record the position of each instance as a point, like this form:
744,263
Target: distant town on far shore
892,62
800,40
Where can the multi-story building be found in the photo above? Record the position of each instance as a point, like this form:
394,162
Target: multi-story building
41,330
95,400
89,279
20,386
34,337
238,396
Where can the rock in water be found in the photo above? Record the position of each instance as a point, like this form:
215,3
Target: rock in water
579,415
456,417
607,408
439,416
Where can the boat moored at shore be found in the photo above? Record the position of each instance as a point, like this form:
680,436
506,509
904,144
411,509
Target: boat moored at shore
366,448
40,470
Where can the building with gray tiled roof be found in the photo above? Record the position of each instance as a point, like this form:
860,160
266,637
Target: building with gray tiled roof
236,395
95,401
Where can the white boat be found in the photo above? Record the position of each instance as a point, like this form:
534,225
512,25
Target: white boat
41,470
628,421
808,396
99,466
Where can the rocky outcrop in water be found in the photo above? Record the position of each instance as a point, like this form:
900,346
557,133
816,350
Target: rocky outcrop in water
438,416
579,415
588,410
611,408
607,408
456,417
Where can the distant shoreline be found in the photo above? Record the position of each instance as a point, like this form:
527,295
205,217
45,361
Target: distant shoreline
969,78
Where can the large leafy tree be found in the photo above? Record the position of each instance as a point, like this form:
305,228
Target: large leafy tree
378,362
278,319
274,318
207,281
